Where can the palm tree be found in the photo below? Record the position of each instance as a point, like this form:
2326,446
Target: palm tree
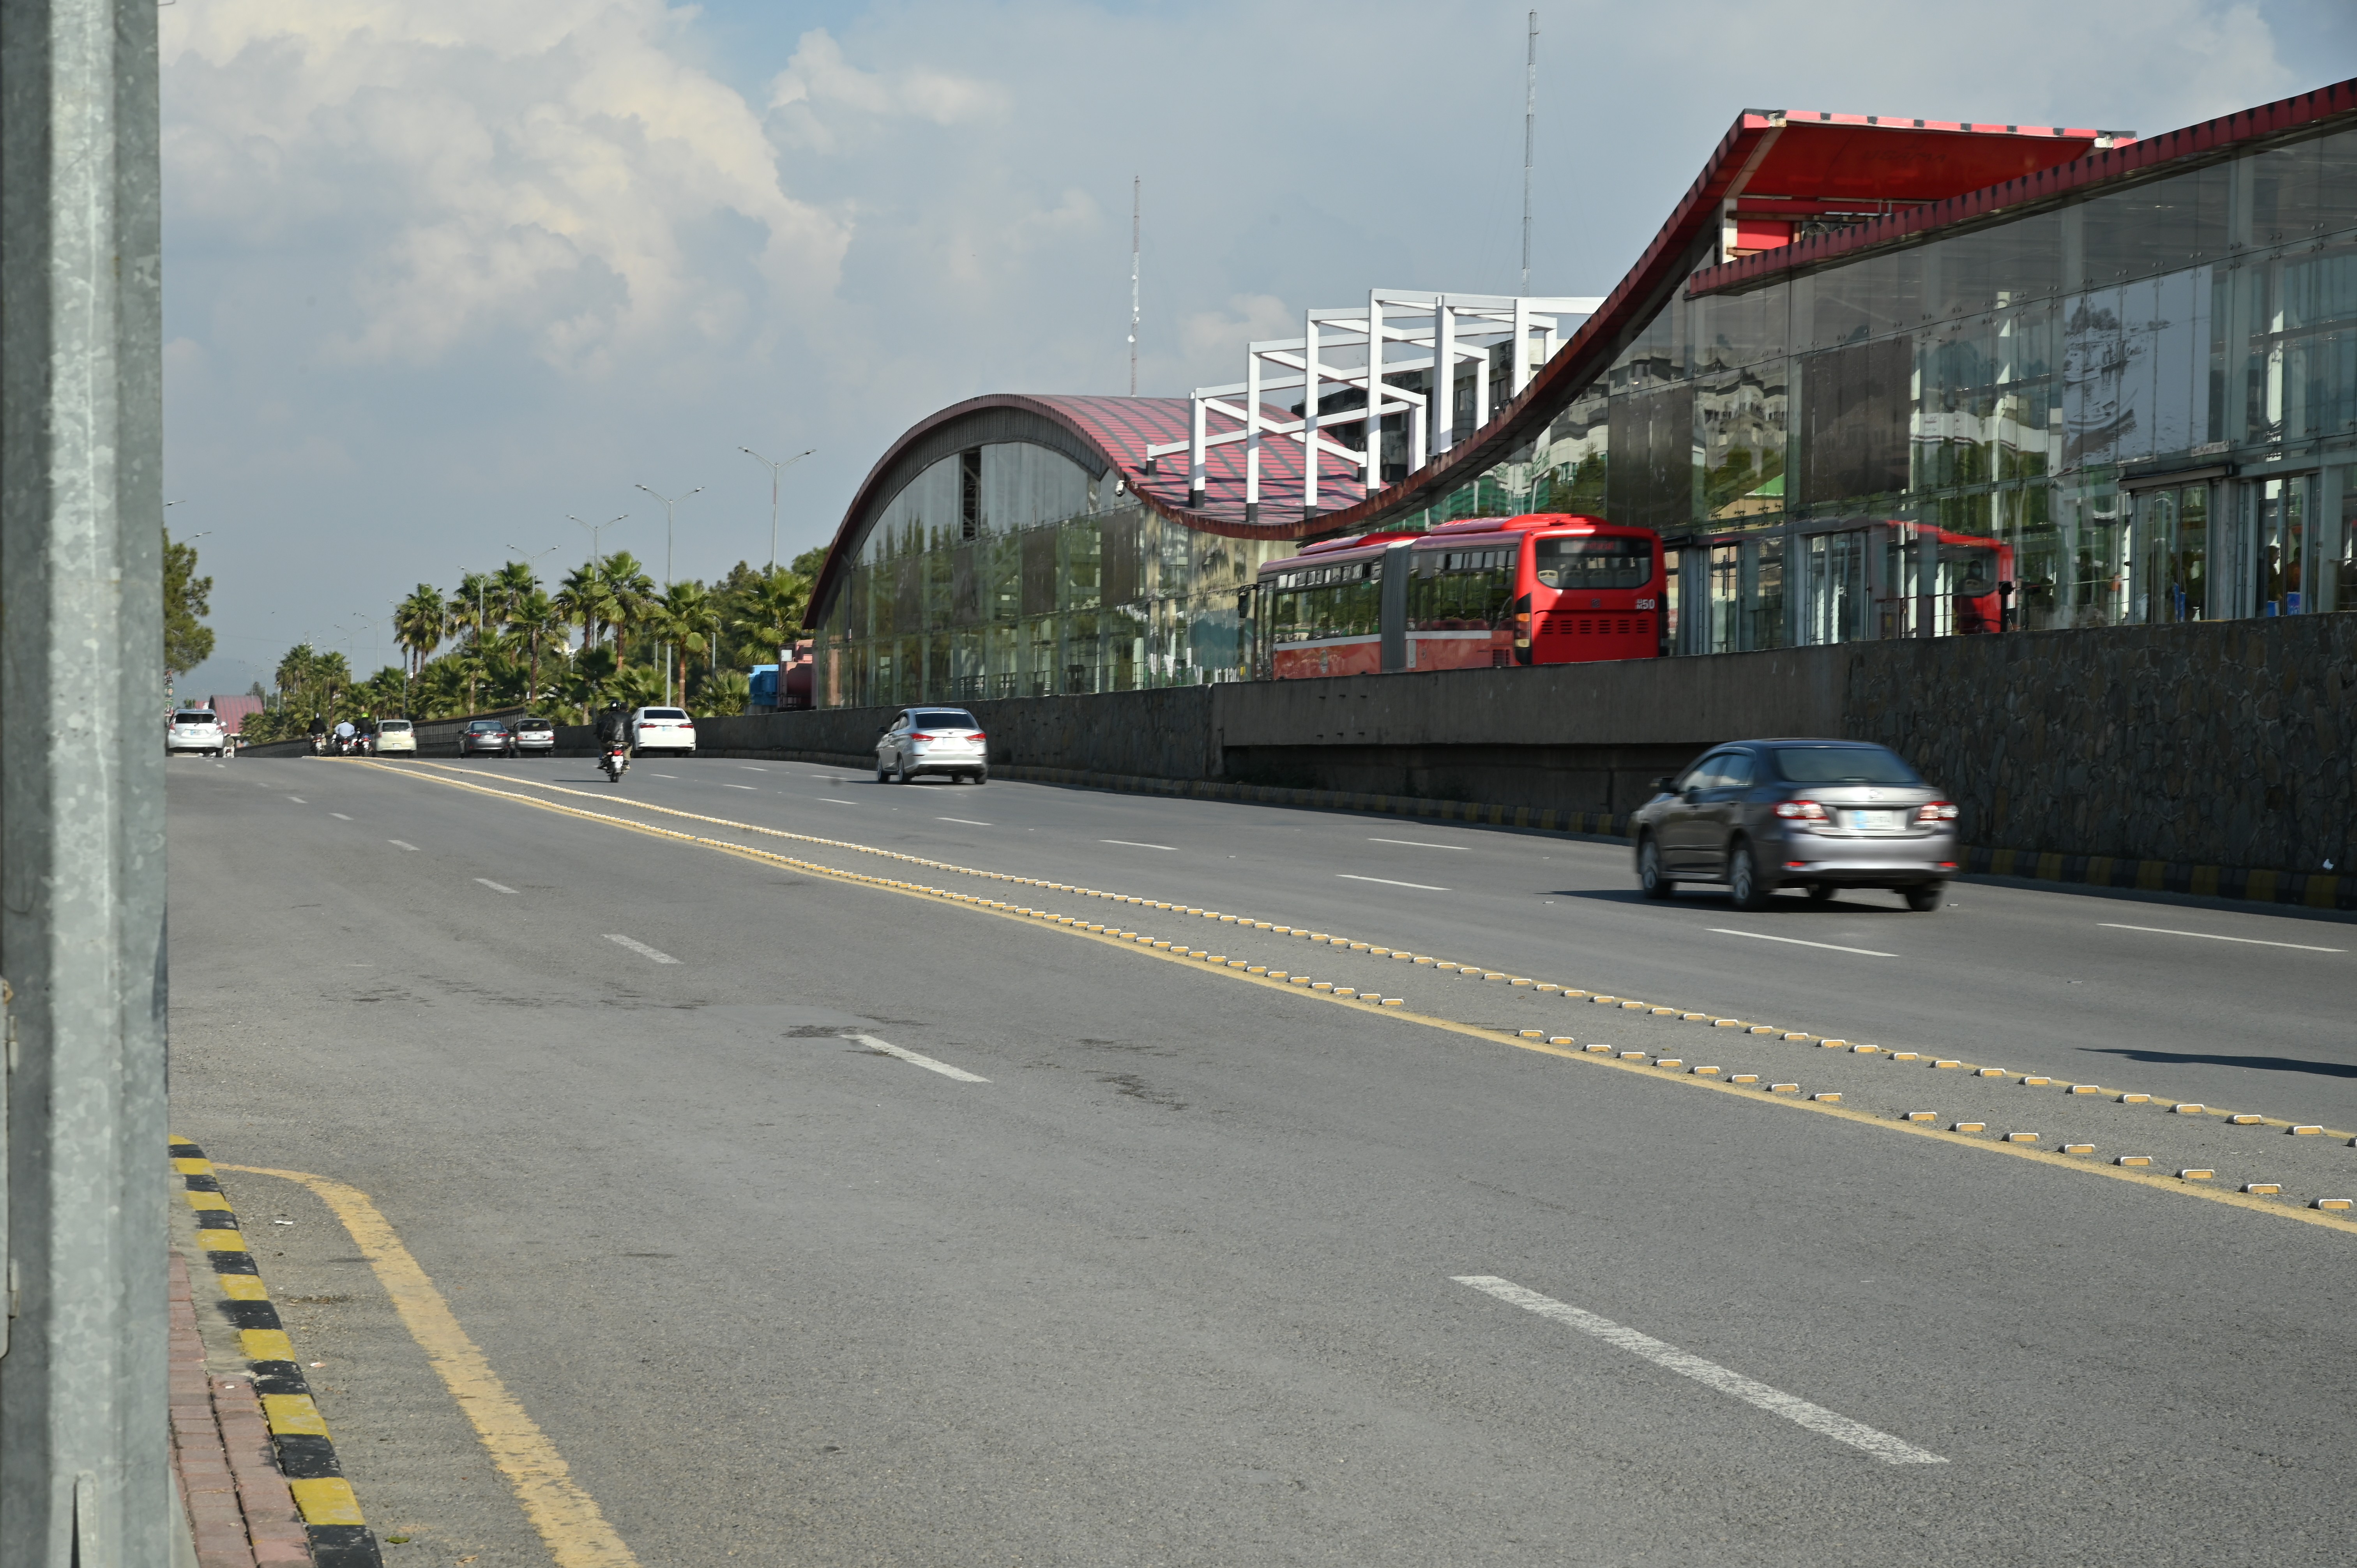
628,590
534,617
586,681
679,617
581,600
775,608
471,611
418,624
510,585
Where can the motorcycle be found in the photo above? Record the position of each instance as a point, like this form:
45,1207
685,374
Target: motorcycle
616,761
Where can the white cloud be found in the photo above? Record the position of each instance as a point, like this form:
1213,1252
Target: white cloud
819,85
529,168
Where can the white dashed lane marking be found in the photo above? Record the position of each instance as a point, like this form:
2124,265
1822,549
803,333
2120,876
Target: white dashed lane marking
1776,1401
1419,844
1798,943
969,821
495,886
906,1055
640,948
298,799
399,844
340,816
2213,937
1128,844
1419,886
725,785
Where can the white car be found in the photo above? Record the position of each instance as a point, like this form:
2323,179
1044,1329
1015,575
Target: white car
395,736
197,730
662,729
933,740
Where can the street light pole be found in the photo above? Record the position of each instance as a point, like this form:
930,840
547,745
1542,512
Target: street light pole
775,469
668,502
595,560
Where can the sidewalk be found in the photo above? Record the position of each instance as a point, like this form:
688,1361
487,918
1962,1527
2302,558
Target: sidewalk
257,1473
238,1507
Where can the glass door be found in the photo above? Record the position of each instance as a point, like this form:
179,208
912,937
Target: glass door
2173,544
2282,544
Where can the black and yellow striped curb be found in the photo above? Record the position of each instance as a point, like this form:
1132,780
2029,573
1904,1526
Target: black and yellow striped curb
339,1537
2303,889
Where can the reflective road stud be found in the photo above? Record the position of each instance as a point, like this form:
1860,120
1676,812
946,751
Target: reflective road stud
2137,1160
2135,1100
2246,1121
2332,1203
2196,1174
2189,1108
1783,1088
2034,1082
1989,1072
2022,1137
1826,1098
1968,1127
2078,1148
1920,1116
1944,1062
1743,1077
1632,1056
1668,1061
2263,1188
1703,1071
2086,1089
2305,1131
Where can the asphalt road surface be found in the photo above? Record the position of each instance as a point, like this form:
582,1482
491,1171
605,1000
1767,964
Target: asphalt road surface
1177,1265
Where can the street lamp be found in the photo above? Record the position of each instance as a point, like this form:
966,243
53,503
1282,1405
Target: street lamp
595,530
775,469
668,502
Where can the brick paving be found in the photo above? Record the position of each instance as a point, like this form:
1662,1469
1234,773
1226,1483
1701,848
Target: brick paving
239,1508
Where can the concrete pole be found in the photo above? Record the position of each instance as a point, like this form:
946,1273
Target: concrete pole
83,1467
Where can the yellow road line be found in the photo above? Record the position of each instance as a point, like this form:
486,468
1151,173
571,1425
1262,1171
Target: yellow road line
2048,1158
567,1518
471,780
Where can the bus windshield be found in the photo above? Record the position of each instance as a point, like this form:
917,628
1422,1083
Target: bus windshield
1595,562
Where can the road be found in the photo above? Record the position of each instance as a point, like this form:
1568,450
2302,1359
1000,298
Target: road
1175,1270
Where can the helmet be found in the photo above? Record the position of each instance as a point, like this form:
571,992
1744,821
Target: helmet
614,703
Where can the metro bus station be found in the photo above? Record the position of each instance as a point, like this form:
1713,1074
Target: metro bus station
1873,379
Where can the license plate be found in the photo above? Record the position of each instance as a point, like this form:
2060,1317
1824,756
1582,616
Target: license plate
1874,822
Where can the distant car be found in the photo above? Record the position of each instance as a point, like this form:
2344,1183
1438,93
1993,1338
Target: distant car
1820,814
195,729
536,735
933,740
487,738
662,729
395,736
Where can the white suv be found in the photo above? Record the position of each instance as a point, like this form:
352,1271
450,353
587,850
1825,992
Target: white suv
197,730
662,729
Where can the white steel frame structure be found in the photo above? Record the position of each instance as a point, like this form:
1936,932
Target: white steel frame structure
1448,329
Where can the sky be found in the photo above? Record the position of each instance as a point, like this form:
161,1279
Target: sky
441,276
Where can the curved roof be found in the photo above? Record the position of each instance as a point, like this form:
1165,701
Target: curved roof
1097,433
1926,176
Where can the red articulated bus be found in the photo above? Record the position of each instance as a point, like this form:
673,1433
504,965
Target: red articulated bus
1547,588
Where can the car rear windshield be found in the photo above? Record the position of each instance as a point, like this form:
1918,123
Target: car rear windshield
1841,765
944,718
486,724
1595,562
193,716
666,713
394,727
533,725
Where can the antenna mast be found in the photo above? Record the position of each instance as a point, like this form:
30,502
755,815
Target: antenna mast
1137,185
1530,119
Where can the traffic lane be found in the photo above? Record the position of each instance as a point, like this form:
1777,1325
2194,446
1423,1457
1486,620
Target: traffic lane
1260,1201
2035,969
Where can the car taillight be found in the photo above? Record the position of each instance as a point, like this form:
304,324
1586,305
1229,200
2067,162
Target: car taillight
922,734
977,738
1805,810
1936,812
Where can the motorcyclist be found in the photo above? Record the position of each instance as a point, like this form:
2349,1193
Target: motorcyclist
614,730
318,733
344,733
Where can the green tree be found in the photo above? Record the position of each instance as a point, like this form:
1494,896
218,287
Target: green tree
723,692
683,617
187,599
627,592
535,619
773,611
419,624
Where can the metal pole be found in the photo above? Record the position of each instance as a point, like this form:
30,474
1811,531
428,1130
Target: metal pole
1136,194
775,469
83,1475
1530,122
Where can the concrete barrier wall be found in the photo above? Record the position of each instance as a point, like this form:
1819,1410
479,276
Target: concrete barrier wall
2220,744
2224,744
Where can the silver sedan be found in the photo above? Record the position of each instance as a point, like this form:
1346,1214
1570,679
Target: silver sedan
1821,814
933,740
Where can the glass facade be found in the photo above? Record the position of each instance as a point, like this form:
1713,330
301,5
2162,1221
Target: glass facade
1008,570
2140,406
